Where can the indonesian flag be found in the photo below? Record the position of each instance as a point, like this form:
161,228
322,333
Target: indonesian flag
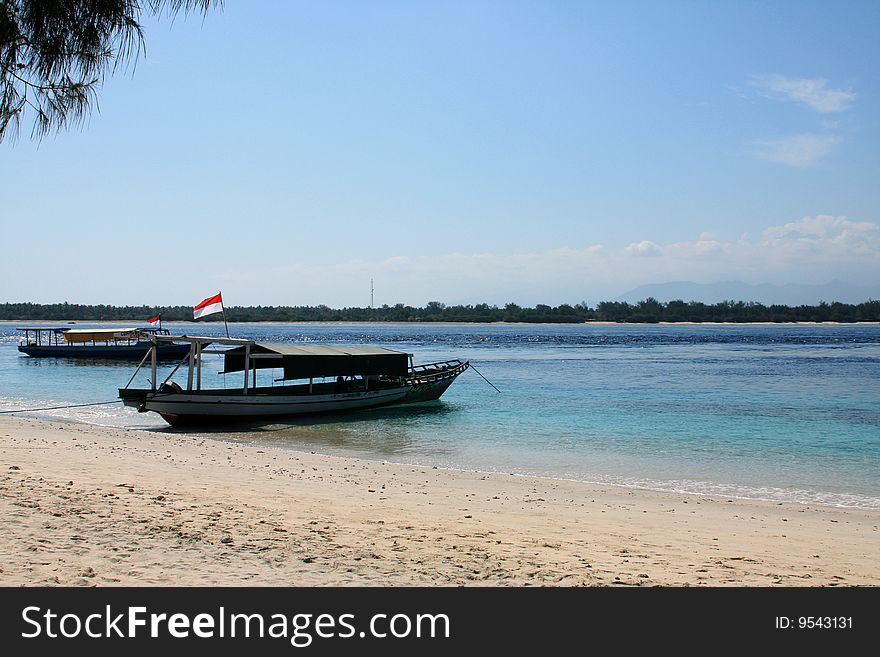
209,306
153,320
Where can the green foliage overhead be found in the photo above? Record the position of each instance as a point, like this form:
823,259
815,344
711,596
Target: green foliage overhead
54,54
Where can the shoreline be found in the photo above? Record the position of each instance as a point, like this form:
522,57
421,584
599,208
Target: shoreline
130,322
653,487
133,507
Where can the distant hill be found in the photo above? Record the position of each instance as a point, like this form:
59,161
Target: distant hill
790,295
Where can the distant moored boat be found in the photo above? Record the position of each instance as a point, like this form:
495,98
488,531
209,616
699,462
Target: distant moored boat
115,343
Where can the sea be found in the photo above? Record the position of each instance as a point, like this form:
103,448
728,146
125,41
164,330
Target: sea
786,412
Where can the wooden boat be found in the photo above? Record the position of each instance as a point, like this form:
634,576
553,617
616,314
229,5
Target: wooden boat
359,378
97,343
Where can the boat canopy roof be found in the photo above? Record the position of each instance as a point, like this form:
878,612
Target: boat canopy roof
88,335
57,329
303,362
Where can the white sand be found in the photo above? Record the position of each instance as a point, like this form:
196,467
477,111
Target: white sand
85,505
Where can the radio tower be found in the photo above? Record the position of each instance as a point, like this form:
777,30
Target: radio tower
371,294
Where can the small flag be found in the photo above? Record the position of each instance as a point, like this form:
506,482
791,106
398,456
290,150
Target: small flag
209,306
153,320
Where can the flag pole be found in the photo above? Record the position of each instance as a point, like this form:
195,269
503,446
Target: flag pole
223,310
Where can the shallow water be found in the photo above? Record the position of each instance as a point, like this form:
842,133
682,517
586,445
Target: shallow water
789,412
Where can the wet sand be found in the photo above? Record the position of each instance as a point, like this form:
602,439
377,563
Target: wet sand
86,505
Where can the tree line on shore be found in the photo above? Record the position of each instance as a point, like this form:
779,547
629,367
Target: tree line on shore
647,311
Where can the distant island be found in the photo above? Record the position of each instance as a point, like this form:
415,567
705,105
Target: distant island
646,311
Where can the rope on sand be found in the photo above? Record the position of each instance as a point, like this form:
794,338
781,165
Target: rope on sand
55,408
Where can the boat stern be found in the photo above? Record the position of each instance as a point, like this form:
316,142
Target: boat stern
134,397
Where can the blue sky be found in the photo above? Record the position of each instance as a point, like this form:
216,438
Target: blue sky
288,152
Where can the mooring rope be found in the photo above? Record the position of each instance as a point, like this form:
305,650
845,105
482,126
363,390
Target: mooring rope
483,377
55,408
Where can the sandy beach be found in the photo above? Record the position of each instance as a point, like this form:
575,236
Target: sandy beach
86,505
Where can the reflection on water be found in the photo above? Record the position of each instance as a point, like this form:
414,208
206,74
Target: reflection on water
374,433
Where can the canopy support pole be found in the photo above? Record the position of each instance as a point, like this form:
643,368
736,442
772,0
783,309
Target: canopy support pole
198,365
138,368
176,367
247,365
153,349
189,375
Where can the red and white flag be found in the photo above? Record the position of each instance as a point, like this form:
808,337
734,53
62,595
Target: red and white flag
209,306
153,320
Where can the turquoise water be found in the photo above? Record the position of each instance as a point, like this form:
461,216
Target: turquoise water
788,412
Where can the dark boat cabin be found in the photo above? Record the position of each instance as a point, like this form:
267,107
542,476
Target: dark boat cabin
318,361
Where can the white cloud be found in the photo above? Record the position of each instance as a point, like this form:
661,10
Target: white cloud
825,235
708,246
813,249
644,248
797,150
812,92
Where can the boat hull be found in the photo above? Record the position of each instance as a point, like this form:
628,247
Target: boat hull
117,352
211,407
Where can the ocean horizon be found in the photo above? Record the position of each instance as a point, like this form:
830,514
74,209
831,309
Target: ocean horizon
781,412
